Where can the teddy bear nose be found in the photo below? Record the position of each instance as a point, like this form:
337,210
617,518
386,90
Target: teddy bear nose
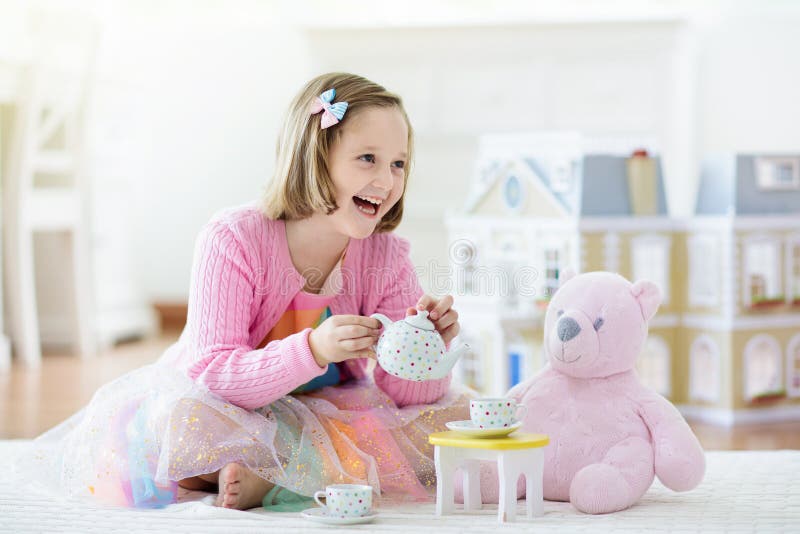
568,328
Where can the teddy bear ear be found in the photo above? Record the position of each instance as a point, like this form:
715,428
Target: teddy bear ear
565,275
648,296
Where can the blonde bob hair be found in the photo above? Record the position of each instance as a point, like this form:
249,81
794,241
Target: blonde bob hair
302,184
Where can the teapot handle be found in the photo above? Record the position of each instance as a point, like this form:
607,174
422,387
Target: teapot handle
385,321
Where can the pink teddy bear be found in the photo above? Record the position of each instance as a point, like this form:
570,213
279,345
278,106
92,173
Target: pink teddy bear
609,434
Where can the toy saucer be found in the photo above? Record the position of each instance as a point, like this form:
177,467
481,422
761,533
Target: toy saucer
320,515
468,428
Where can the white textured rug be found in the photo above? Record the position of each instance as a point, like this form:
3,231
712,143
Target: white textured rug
742,492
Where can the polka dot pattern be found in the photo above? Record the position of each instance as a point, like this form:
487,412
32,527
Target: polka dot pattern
493,413
345,500
410,353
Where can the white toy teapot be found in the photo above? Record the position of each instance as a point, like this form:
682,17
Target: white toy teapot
412,348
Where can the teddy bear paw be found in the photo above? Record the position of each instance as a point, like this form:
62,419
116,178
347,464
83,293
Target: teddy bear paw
599,489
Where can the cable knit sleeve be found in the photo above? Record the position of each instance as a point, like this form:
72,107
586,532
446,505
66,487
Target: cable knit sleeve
398,293
220,298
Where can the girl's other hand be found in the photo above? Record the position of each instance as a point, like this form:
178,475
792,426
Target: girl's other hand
441,313
344,337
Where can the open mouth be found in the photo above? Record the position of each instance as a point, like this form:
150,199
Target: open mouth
367,205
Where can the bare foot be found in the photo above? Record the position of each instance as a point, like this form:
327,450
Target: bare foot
240,488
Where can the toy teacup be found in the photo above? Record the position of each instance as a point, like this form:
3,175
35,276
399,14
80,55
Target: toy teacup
345,500
496,413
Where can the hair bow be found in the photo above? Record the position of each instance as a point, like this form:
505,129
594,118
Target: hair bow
331,113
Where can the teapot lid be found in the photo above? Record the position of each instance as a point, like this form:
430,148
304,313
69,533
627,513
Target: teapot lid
420,320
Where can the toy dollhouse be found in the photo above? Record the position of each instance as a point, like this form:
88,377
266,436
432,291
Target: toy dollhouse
730,276
740,327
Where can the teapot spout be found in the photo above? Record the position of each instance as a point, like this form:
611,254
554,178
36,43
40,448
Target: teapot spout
450,360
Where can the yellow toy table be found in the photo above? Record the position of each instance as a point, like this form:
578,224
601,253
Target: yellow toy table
517,454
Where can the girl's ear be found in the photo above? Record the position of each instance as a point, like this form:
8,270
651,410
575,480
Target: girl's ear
648,296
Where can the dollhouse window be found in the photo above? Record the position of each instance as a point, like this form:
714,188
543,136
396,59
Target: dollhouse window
611,245
793,367
513,193
778,173
793,270
463,256
653,366
704,267
704,370
762,368
562,176
518,358
651,262
470,364
466,279
551,270
762,283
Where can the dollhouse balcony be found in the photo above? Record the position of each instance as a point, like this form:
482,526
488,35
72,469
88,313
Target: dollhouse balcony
761,303
768,397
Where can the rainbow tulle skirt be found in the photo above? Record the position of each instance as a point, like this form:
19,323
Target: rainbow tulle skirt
147,430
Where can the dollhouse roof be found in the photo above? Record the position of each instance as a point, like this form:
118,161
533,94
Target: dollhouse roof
729,186
605,187
568,199
600,187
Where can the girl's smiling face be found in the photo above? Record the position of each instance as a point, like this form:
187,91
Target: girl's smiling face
366,165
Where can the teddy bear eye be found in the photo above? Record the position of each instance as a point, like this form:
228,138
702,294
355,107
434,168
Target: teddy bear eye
560,313
598,323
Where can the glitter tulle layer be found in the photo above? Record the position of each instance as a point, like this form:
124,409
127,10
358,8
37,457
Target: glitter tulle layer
147,430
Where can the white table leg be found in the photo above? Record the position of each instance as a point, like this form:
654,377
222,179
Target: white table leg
445,467
534,491
472,485
508,473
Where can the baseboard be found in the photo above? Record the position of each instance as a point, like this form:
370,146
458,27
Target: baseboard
125,324
723,417
171,315
110,326
56,332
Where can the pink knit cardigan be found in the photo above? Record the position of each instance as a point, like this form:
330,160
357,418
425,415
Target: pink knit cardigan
242,282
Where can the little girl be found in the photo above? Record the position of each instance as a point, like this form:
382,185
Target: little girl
272,389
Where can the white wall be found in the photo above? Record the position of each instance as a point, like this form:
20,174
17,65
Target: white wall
748,78
191,106
190,95
614,78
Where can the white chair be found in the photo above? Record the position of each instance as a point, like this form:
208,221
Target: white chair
47,139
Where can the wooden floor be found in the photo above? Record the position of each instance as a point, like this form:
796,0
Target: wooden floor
33,401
